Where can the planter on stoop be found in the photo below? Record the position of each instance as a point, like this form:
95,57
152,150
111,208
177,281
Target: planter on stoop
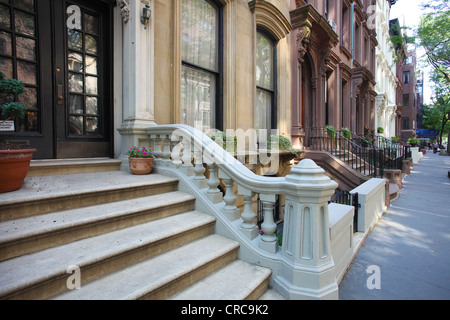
140,160
14,159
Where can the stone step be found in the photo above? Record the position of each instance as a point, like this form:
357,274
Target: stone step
271,294
161,276
44,274
72,166
45,194
393,191
27,235
238,280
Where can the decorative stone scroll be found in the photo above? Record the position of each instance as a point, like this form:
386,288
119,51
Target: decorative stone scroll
124,10
303,37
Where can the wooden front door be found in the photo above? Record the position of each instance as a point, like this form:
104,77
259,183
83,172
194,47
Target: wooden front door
62,51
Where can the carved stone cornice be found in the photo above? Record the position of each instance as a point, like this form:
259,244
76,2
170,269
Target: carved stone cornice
319,28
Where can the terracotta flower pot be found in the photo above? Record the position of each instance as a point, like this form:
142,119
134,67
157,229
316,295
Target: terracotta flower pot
141,166
14,165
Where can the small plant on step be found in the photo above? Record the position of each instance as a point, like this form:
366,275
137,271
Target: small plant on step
135,152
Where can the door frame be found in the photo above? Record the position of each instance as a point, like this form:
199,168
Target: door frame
71,147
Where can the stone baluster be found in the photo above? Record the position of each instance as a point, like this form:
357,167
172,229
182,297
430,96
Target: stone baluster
248,226
199,171
230,210
187,166
213,192
269,241
157,148
166,149
176,152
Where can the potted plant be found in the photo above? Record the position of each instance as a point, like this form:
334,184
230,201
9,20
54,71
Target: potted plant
283,144
346,133
395,139
224,140
414,142
380,130
14,159
331,131
140,160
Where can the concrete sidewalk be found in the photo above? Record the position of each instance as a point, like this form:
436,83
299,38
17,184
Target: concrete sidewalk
408,251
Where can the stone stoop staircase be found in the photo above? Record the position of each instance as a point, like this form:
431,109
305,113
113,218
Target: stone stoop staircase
132,237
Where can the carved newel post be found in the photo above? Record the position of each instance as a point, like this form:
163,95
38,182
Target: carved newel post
308,268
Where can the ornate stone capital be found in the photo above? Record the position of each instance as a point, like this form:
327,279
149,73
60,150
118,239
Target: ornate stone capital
303,37
124,6
324,60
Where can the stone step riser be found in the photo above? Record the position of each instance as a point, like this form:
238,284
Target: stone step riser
39,168
181,283
30,208
57,284
30,244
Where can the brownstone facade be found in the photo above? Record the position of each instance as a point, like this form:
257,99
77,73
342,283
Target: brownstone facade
333,73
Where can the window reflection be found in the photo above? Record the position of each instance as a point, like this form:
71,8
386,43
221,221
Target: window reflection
76,83
84,64
264,81
20,56
76,62
76,104
26,72
5,43
26,48
198,94
24,23
200,55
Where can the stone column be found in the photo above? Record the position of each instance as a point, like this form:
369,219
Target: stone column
308,270
138,75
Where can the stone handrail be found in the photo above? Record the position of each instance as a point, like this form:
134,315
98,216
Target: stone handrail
303,266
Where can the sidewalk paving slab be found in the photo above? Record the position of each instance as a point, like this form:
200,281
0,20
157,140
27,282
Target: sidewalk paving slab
411,242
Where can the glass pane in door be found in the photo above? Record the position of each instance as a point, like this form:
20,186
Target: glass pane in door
84,77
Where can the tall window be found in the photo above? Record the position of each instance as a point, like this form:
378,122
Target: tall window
19,56
265,82
405,123
200,74
406,77
406,100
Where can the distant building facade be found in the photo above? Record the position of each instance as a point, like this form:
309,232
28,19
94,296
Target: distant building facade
412,97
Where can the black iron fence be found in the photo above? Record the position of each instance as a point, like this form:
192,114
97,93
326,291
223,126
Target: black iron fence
366,160
367,155
260,211
350,199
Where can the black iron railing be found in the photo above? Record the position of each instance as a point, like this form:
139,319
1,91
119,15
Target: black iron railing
350,199
394,153
366,160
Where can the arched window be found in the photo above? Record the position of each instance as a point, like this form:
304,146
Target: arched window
201,64
272,26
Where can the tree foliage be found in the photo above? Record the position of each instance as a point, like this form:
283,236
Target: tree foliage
437,115
433,35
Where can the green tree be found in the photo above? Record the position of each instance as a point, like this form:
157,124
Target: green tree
433,35
436,116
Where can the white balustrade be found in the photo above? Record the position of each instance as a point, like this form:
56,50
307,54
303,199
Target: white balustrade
304,264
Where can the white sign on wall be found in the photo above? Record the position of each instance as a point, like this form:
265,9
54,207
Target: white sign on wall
7,126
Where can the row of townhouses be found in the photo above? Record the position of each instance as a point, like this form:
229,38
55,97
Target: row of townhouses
104,75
